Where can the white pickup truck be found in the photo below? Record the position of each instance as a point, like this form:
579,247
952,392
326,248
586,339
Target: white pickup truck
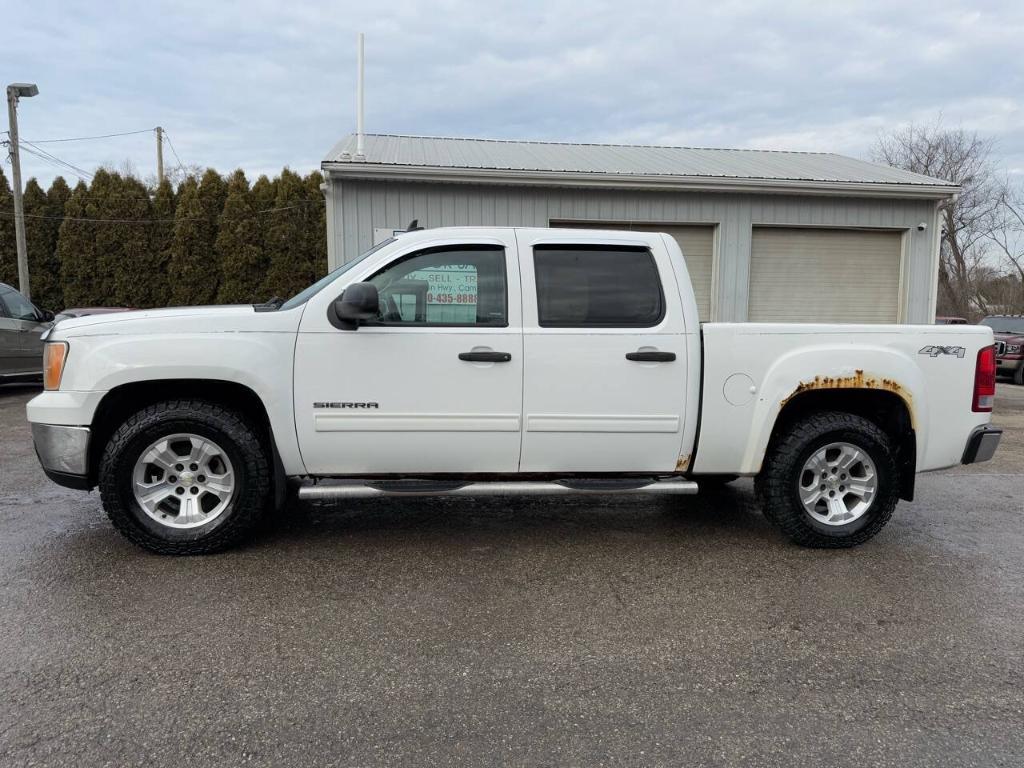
501,361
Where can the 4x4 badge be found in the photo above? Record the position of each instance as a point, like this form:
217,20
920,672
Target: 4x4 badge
936,351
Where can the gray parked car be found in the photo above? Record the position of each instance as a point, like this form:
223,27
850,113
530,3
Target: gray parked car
21,325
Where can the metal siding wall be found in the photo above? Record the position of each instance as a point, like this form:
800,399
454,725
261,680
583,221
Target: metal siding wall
359,206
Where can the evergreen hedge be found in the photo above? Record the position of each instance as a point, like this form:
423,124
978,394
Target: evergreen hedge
115,242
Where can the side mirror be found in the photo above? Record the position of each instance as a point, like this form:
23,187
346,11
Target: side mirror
47,315
360,301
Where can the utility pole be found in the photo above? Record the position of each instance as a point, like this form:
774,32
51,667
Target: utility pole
159,155
14,92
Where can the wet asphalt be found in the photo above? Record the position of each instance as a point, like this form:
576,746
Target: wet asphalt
623,631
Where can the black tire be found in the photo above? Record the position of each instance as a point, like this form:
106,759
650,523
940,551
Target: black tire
231,431
1018,376
777,485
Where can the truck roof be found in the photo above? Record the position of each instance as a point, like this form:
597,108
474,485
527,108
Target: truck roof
555,233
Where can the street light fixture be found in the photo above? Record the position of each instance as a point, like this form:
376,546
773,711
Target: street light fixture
17,91
24,90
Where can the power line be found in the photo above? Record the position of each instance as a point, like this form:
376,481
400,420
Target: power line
42,153
81,172
60,166
10,214
90,138
181,166
86,219
63,165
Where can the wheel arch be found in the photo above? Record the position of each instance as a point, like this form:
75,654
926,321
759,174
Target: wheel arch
885,408
125,399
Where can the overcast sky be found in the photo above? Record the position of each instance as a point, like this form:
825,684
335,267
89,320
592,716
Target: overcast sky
260,85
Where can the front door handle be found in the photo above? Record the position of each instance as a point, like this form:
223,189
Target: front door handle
651,357
485,357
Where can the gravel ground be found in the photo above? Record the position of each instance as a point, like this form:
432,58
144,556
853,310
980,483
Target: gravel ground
627,631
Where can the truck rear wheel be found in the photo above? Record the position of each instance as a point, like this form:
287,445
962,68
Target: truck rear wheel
830,480
185,477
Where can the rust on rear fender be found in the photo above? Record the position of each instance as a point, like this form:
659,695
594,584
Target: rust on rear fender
857,381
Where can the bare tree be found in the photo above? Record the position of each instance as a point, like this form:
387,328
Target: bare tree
963,158
1008,242
126,168
176,175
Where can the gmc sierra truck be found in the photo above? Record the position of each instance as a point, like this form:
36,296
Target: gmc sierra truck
501,361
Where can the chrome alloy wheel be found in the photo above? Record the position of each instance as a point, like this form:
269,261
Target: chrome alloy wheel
838,483
183,481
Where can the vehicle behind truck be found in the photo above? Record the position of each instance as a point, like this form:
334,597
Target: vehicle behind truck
1009,344
501,362
21,325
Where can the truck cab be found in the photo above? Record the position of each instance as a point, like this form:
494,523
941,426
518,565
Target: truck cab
586,371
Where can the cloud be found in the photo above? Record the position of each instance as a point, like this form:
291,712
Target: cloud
264,84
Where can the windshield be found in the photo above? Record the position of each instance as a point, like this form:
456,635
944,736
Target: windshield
1013,325
303,296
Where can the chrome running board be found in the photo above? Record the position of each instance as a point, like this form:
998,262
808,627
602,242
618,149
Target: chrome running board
367,489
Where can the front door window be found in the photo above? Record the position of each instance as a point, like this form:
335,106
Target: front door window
464,286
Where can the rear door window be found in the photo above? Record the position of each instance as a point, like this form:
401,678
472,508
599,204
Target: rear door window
585,286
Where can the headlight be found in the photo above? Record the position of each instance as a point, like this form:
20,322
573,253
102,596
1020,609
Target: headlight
1013,349
55,354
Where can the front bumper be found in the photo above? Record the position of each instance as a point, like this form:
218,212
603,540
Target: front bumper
64,453
981,445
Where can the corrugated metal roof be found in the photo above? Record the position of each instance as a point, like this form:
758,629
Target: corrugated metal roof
621,159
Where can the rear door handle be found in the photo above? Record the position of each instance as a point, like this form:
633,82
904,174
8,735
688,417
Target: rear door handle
651,357
485,357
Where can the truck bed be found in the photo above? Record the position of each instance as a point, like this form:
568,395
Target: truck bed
753,370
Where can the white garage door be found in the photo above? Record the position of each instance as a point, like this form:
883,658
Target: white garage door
697,243
824,276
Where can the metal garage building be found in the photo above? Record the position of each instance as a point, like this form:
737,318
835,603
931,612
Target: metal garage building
767,236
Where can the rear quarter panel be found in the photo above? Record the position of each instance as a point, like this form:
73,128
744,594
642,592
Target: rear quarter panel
751,370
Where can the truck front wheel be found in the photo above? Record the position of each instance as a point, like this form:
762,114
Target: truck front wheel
831,480
185,477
